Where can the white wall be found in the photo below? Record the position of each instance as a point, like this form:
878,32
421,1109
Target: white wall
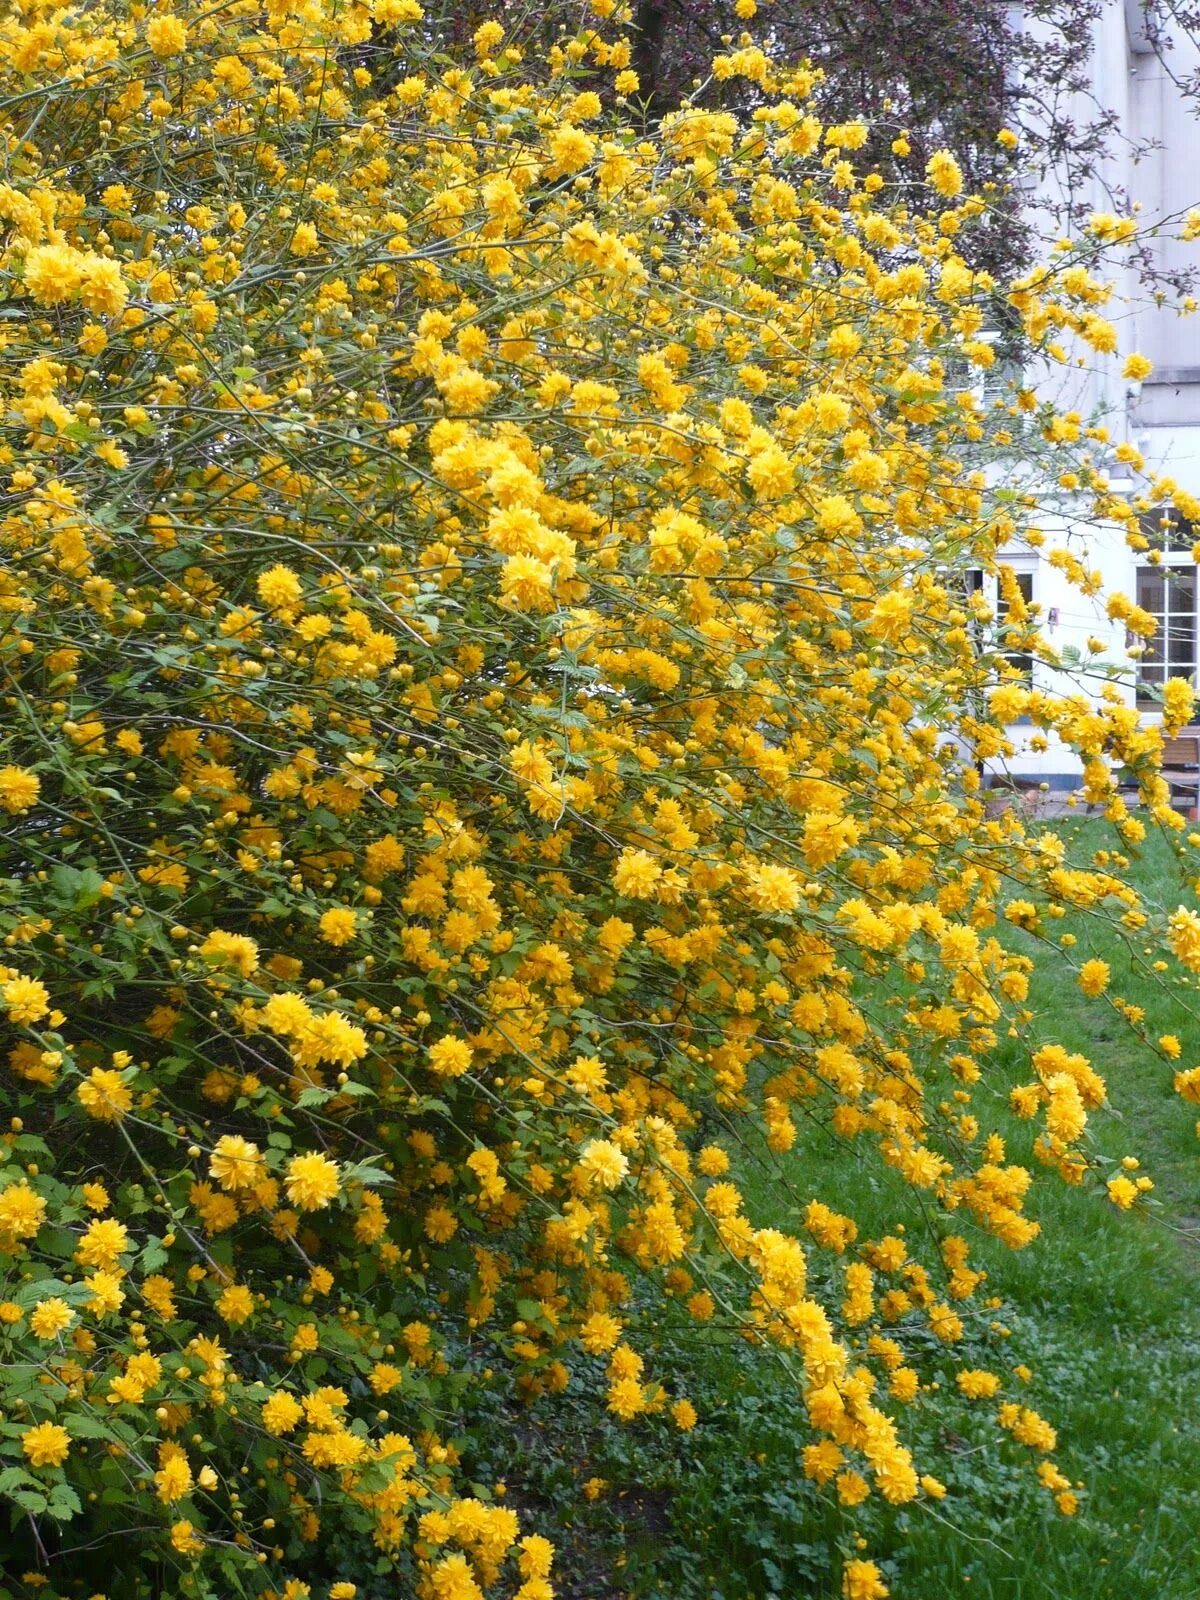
1160,416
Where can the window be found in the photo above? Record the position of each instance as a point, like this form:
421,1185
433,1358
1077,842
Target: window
1166,588
1168,531
1168,593
1015,596
987,384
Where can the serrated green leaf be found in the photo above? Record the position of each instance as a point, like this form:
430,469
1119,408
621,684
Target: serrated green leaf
64,1503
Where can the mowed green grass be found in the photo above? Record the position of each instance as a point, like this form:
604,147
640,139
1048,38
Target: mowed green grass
1104,1308
1110,1301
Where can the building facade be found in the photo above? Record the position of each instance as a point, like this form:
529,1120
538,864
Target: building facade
1153,164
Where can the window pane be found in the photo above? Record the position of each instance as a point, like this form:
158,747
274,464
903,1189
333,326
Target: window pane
1167,530
1149,678
1182,652
1151,589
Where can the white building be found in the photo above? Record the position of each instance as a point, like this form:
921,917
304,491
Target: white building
1141,83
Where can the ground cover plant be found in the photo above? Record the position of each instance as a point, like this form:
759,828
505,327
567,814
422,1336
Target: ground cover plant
494,692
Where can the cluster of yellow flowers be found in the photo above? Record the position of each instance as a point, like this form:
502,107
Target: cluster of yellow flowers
482,600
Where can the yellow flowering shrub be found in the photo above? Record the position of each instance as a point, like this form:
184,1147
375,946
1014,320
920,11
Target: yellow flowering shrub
484,616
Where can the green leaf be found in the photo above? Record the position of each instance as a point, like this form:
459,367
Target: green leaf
369,1176
313,1097
78,887
153,1256
64,1503
82,1425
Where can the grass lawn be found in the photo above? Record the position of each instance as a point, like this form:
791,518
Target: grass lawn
1110,1309
1109,1322
1112,1314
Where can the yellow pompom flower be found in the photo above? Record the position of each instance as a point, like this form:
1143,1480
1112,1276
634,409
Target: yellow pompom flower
626,1398
304,239
977,1385
102,1243
338,925
312,1181
19,789
46,1445
486,37
712,1161
1183,938
571,148
770,474
173,1479
945,174
636,874
527,583
1122,1191
450,1057
603,1163
235,950
683,1415
236,1163
103,289
440,1224
27,999
235,1304
166,35
105,1095
771,888
1179,701
51,1317
862,1580
1093,977
53,273
278,588
185,1539
22,1212
281,1413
